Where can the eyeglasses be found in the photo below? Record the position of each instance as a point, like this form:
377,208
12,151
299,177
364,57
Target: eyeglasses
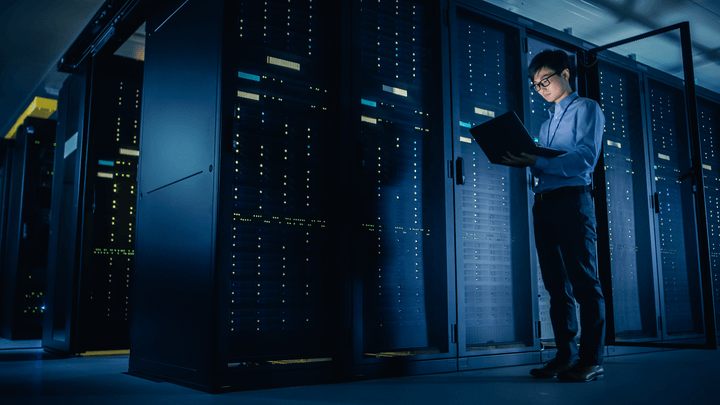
542,83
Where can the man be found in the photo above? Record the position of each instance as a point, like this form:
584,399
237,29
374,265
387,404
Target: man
564,219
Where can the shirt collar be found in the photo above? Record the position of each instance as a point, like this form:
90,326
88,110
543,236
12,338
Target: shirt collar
564,103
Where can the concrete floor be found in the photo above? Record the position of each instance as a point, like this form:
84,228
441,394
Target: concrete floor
30,376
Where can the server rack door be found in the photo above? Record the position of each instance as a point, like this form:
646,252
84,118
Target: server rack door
539,114
400,275
494,274
677,253
60,319
173,312
108,243
627,185
285,135
709,116
679,220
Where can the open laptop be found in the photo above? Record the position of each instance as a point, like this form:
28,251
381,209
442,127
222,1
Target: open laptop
506,133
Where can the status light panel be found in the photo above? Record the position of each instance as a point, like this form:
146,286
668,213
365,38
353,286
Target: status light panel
278,299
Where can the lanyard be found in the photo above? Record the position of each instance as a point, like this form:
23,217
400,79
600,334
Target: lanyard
550,140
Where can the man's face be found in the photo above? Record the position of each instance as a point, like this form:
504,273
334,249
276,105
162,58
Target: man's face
556,84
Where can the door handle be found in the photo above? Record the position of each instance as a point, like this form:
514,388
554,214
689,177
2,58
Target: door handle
656,202
686,175
460,171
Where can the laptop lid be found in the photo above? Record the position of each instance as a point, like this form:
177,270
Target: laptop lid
506,133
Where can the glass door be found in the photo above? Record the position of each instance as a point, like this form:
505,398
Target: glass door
496,280
675,217
634,305
651,221
661,272
709,117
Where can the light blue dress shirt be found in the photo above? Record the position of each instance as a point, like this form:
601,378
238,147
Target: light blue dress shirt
576,125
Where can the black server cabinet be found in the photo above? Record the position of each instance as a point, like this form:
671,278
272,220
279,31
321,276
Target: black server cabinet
651,219
678,257
108,242
292,195
95,197
239,178
709,116
495,276
66,226
401,304
627,191
26,240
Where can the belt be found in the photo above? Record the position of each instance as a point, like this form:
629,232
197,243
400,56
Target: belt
561,192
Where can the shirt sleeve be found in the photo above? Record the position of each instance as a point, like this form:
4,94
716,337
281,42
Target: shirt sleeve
582,157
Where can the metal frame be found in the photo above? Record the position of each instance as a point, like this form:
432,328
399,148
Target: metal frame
114,21
695,173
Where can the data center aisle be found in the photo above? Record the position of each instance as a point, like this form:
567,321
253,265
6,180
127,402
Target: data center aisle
31,376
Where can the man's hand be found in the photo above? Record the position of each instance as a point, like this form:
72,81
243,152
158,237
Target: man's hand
523,160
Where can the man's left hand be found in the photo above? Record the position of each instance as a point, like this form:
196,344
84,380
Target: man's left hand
524,159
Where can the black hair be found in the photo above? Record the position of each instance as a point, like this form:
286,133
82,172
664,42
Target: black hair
556,61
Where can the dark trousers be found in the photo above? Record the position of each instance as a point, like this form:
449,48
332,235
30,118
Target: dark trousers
565,239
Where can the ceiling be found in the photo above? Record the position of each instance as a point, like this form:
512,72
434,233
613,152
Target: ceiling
33,37
602,22
35,34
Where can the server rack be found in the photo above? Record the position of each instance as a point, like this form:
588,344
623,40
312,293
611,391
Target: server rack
109,216
679,262
495,275
401,303
659,274
26,240
65,227
221,142
708,115
627,188
95,197
237,265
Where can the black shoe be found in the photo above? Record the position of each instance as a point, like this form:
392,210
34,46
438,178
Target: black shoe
582,373
552,368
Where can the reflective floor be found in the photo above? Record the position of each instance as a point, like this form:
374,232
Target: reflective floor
30,376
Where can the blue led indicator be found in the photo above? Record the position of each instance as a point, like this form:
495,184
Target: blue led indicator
368,102
249,76
465,124
106,163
